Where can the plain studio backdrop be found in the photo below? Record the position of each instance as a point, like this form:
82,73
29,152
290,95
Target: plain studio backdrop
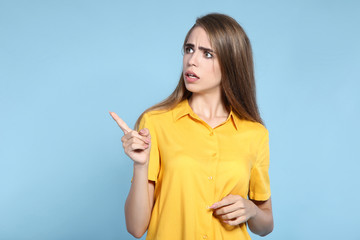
65,64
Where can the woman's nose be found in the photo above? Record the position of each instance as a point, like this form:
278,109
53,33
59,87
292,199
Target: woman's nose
193,59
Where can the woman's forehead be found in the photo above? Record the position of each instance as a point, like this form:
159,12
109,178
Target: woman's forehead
199,37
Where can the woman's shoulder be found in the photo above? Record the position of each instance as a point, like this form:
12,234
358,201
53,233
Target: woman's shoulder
251,127
163,114
158,116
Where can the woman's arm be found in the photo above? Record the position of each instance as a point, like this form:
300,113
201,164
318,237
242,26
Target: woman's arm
234,210
140,200
262,223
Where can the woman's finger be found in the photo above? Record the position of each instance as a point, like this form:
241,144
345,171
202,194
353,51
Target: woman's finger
236,221
124,127
227,209
135,146
232,215
134,140
135,134
145,132
230,199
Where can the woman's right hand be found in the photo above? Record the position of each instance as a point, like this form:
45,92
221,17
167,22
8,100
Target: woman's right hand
136,144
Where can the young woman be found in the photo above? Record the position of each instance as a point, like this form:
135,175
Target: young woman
201,157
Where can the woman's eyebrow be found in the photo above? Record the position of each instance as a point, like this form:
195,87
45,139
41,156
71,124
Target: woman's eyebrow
201,48
206,49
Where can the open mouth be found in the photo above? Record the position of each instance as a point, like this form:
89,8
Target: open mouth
191,75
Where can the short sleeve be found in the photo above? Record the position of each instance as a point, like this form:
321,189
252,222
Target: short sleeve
154,161
259,179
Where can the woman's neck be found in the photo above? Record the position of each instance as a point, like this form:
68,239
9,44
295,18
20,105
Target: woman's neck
208,106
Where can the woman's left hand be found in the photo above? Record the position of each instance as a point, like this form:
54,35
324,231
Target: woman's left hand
234,210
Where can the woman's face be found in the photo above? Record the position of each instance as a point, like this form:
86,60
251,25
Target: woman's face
201,68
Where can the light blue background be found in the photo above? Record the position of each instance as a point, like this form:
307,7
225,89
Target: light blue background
65,64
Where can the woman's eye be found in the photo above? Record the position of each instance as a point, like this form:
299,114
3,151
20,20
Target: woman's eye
189,50
208,55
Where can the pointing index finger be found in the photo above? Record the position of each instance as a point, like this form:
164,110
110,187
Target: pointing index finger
124,127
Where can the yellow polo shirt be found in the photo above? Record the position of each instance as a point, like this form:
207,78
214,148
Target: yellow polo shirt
194,165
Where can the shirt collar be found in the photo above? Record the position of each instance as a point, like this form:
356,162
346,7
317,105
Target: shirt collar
183,109
235,120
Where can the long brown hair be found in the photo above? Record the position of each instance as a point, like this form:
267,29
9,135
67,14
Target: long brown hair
233,49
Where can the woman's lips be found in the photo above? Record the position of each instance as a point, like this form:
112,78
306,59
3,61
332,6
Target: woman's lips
191,76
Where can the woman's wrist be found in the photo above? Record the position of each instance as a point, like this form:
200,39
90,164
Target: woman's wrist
140,172
141,166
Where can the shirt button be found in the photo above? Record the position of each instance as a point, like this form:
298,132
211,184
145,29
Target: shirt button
210,178
211,134
205,237
214,154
